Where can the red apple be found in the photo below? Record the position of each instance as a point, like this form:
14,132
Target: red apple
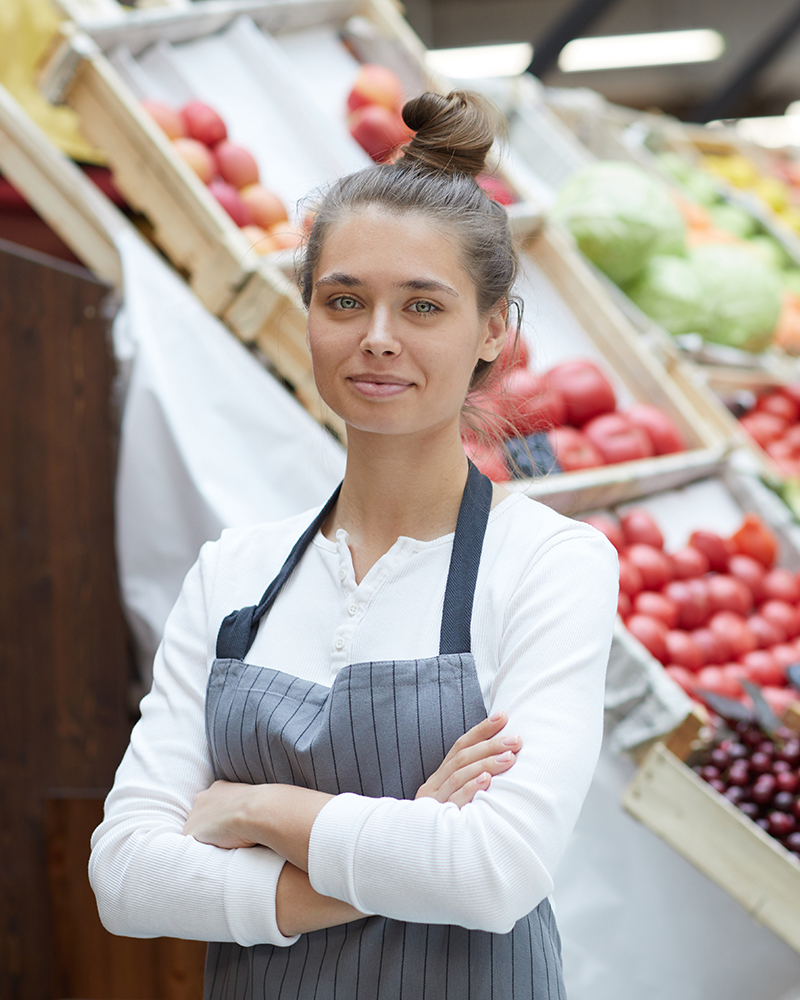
376,84
286,236
167,118
197,156
617,439
529,404
586,389
235,164
203,123
660,428
573,450
229,198
496,189
378,131
266,207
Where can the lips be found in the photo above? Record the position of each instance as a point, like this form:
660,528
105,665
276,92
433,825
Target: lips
378,386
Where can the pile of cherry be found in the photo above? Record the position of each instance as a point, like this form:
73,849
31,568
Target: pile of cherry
760,774
714,612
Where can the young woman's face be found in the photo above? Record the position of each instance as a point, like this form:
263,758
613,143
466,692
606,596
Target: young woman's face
393,324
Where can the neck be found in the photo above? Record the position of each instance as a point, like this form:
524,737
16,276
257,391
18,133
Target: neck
398,486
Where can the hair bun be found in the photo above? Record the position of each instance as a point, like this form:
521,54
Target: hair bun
453,133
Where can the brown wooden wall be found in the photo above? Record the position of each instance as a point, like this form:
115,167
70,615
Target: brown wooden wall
64,657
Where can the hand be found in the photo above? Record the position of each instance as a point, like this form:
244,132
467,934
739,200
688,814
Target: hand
474,758
217,815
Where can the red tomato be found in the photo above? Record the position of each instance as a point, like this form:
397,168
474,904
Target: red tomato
751,572
651,633
714,646
488,460
585,388
735,629
529,403
661,429
515,354
713,547
735,672
779,699
715,680
762,668
683,650
683,678
784,615
767,633
728,593
656,605
755,539
779,404
781,585
763,427
610,528
630,577
691,598
784,655
573,450
639,527
617,439
624,605
792,390
653,564
689,563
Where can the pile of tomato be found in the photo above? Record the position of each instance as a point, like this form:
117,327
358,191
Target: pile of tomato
774,424
574,406
713,613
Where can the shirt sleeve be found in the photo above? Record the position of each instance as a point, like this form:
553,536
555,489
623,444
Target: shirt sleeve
489,864
150,880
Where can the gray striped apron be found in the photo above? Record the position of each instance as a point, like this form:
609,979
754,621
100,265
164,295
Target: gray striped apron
381,729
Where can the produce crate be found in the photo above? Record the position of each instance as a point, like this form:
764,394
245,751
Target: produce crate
104,70
569,314
718,839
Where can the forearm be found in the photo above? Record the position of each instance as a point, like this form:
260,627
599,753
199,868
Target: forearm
281,817
301,909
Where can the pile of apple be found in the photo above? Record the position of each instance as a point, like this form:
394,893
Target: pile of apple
575,405
713,612
774,424
200,138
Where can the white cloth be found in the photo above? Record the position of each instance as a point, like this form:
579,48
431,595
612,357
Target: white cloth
542,622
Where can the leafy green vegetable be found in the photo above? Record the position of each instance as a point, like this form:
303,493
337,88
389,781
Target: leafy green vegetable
620,217
669,291
742,294
734,219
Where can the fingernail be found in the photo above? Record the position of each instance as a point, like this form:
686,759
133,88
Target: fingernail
495,716
483,779
503,757
509,741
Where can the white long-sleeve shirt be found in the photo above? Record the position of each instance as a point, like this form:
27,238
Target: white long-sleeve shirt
543,614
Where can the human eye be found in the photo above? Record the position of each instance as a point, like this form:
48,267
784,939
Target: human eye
424,308
344,303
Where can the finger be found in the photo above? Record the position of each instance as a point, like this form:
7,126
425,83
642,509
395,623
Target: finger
485,749
484,730
494,765
467,792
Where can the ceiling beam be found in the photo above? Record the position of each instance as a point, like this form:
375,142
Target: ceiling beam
576,19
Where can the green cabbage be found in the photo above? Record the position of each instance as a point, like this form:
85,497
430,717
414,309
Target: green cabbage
742,294
669,291
790,280
620,217
734,219
770,251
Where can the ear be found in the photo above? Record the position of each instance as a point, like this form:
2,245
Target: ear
494,330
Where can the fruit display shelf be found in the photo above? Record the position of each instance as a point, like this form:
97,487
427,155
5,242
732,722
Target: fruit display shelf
569,315
221,52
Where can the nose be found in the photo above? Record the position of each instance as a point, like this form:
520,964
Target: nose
380,337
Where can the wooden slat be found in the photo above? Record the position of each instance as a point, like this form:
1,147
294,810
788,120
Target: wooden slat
61,194
719,840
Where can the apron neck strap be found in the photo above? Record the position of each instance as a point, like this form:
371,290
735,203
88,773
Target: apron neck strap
238,630
473,516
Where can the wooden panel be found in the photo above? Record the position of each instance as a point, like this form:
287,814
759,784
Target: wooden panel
719,840
91,962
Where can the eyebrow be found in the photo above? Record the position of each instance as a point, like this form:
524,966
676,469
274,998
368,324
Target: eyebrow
414,284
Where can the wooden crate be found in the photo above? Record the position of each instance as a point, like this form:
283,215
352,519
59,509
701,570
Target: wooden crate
718,839
636,372
258,302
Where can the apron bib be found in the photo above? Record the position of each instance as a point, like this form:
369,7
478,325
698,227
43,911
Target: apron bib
381,729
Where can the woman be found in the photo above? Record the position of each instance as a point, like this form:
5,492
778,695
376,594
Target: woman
341,850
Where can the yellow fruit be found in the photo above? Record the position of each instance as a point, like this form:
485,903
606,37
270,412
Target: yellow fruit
773,191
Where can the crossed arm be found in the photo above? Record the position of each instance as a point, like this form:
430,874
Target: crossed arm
231,815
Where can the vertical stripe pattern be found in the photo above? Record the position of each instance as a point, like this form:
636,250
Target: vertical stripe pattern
381,729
